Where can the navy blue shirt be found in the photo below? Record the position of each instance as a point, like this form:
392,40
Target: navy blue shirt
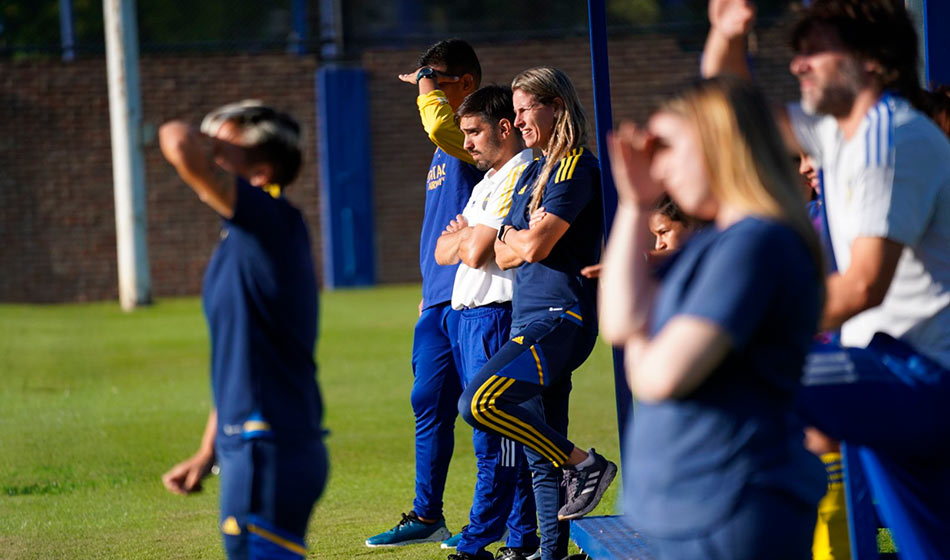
690,458
260,299
553,285
448,187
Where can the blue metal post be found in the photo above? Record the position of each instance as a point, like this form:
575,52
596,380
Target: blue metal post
936,41
298,10
603,117
331,30
346,184
67,35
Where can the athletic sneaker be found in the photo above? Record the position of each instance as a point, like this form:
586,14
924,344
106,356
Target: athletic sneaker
410,530
518,553
585,486
452,542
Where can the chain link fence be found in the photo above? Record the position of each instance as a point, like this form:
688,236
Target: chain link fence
331,28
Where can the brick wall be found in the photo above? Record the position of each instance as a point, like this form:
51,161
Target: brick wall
57,214
643,69
57,225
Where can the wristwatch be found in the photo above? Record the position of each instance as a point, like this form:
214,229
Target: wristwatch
426,72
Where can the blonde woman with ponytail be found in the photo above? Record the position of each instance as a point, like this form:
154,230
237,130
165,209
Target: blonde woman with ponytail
553,229
715,340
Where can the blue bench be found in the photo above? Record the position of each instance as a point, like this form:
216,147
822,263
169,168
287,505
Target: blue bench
607,537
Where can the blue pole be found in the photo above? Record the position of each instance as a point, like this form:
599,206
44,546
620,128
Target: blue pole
936,39
298,10
66,35
603,118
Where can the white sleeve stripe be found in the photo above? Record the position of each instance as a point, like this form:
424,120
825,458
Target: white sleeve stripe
879,136
882,138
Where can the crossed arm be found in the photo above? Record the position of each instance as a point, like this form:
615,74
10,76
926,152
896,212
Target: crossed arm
516,246
472,245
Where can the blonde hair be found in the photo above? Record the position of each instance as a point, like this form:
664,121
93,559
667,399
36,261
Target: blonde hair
548,85
744,155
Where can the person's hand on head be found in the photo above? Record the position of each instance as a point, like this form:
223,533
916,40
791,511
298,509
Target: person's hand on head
631,150
441,78
731,18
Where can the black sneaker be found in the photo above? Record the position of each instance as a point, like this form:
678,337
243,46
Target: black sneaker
586,486
518,553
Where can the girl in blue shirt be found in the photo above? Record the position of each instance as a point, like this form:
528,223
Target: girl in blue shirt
715,337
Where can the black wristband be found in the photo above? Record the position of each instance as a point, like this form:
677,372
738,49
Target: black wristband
502,231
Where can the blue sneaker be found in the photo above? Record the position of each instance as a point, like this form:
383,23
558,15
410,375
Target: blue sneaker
410,530
453,541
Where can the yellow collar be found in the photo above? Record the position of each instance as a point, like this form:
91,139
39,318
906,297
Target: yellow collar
272,189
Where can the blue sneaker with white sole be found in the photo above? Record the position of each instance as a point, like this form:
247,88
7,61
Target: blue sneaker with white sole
410,530
453,541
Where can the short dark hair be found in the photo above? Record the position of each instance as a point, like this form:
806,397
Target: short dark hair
878,30
492,103
284,157
458,57
269,136
668,208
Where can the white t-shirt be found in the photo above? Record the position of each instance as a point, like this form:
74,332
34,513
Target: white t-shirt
890,180
488,206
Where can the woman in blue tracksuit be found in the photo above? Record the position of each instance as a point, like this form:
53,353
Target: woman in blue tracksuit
260,299
716,336
553,230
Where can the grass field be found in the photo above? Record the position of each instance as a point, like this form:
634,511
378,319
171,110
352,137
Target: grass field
95,404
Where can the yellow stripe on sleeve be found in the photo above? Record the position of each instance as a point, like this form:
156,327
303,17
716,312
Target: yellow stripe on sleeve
560,171
504,203
570,172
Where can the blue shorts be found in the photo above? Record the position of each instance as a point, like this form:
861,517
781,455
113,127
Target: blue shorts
268,490
891,401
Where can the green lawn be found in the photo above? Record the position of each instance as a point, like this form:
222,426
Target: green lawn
95,404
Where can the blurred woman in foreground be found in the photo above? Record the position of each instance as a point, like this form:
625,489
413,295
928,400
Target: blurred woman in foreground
716,336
